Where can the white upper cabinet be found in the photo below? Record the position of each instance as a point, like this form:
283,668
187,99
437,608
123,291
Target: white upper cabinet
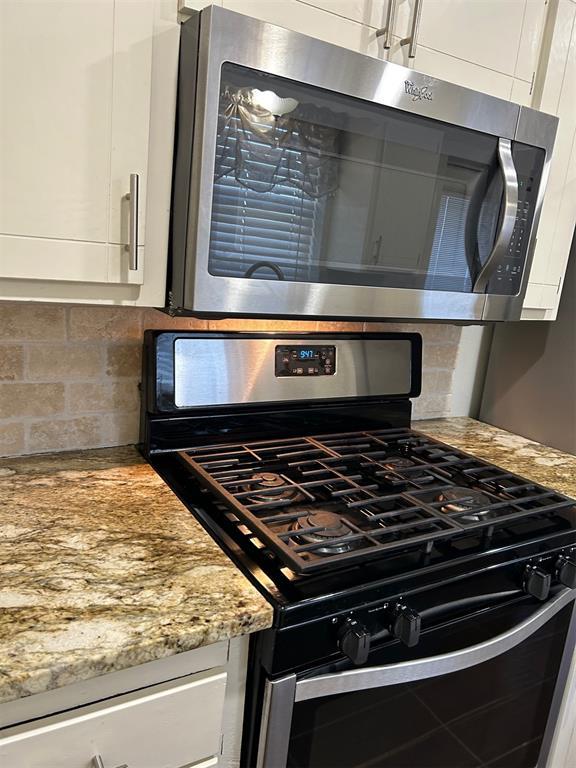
555,93
502,35
75,90
488,45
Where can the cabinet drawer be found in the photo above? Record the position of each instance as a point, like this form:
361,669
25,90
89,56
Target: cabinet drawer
167,726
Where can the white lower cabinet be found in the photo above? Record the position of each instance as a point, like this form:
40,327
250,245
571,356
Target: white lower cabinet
168,726
194,720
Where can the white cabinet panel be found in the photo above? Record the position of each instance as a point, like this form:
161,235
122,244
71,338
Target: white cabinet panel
531,39
559,208
170,726
521,92
454,70
370,12
133,35
56,71
312,21
483,32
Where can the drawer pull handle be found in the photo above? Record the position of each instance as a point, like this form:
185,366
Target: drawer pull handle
97,762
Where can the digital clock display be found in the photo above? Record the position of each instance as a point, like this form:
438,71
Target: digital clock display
306,354
316,360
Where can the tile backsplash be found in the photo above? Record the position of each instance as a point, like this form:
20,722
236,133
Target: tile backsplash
69,375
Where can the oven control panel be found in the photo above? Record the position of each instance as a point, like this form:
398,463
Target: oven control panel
305,360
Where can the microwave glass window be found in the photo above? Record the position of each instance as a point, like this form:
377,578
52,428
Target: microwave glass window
317,187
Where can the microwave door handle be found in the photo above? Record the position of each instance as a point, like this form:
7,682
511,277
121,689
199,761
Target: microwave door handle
365,678
508,220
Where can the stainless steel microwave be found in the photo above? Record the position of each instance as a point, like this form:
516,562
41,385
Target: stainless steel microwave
313,181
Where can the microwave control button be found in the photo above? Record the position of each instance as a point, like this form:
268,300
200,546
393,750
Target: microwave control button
536,582
406,625
354,641
565,569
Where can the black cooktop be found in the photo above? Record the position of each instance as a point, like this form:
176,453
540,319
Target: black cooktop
324,501
427,513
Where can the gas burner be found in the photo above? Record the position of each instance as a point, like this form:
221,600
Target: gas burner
400,464
459,499
269,486
332,533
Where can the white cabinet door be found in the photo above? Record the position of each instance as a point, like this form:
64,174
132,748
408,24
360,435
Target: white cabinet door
502,35
75,90
168,726
453,70
556,94
315,20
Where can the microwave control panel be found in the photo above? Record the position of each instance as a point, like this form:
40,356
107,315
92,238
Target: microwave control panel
305,360
508,274
507,277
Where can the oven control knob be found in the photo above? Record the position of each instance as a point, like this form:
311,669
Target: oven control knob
354,641
405,625
537,582
565,569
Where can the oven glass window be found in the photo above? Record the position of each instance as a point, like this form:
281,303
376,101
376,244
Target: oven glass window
492,715
312,186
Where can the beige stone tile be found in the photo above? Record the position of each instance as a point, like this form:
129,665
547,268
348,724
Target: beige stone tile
273,326
18,399
391,327
120,428
440,332
431,407
329,326
63,434
154,319
64,361
25,321
440,355
105,396
11,362
436,382
124,360
105,323
11,439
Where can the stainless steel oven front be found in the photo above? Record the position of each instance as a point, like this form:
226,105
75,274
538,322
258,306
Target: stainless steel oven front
482,691
313,181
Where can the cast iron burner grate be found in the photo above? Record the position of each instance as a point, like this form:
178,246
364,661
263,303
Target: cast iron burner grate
327,500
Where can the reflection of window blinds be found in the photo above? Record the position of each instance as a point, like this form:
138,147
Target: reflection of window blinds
448,258
275,226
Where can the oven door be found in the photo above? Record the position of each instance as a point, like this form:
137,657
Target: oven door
482,691
327,183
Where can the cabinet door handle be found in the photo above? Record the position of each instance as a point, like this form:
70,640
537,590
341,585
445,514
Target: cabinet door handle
412,40
387,30
97,762
133,197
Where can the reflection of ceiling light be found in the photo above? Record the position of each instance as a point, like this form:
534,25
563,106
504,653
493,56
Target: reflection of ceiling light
274,104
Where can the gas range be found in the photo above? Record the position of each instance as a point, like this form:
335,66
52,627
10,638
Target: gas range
367,536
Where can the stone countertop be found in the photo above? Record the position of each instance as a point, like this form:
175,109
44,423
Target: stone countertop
534,461
103,568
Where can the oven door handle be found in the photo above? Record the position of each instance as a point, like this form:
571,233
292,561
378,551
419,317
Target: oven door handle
419,669
508,220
